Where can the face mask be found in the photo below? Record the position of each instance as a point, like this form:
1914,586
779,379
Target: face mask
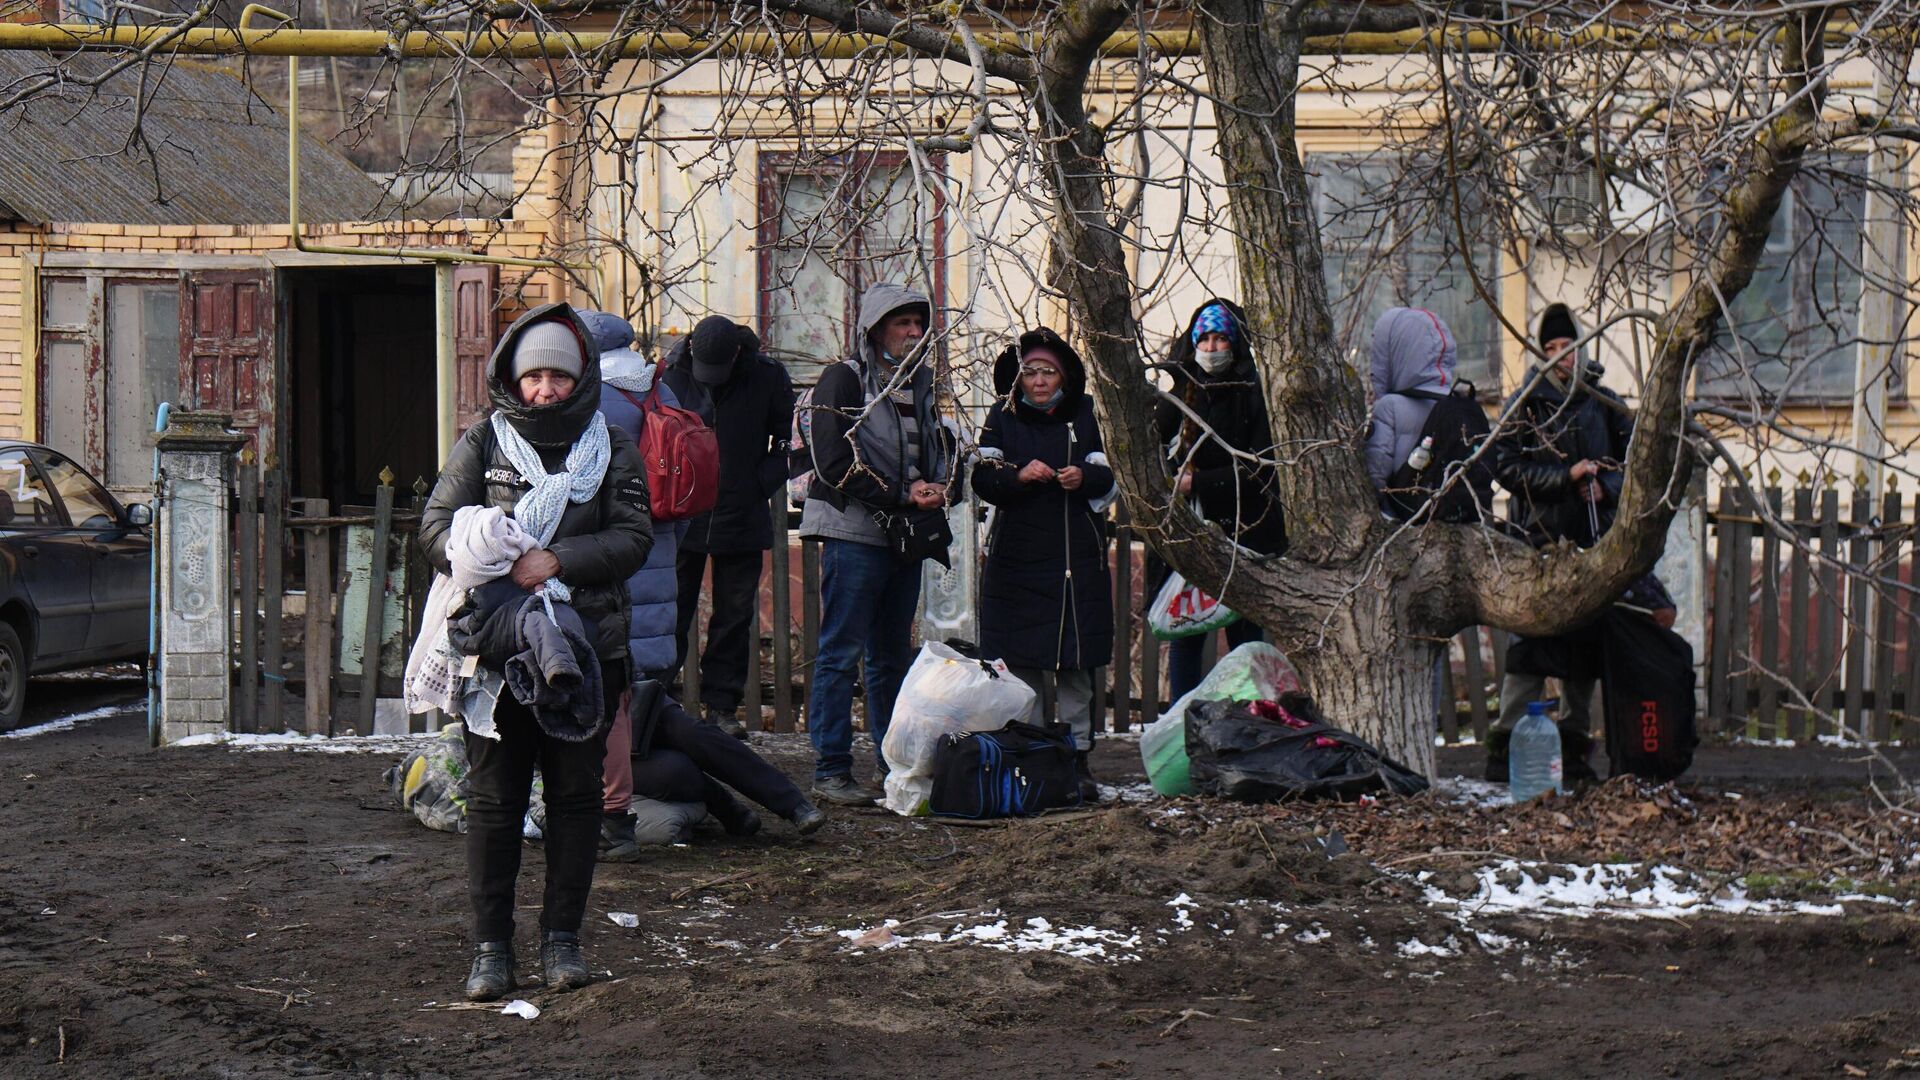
1213,363
1051,401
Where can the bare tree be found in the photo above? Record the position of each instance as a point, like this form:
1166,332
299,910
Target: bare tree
1669,144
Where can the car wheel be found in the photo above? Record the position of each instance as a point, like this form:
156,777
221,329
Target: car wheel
13,678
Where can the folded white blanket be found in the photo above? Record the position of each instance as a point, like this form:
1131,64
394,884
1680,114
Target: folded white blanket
481,546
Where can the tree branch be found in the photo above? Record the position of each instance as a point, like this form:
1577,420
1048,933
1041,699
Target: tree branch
926,40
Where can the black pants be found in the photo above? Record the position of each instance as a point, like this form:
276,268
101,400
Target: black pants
499,784
722,759
736,592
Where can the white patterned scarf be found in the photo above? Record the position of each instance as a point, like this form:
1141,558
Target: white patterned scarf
539,510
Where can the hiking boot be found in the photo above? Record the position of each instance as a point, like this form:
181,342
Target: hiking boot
736,817
727,720
491,976
842,791
1497,768
617,842
807,818
1089,788
561,961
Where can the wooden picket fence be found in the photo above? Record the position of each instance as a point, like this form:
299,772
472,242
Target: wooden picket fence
1814,614
1119,704
1812,619
336,698
283,654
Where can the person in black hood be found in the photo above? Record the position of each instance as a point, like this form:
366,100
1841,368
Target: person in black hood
1215,376
544,381
1046,598
879,450
1561,442
1559,448
746,397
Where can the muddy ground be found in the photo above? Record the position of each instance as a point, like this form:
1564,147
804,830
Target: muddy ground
211,912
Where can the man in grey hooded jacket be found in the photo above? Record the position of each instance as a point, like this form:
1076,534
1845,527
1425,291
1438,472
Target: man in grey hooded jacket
877,445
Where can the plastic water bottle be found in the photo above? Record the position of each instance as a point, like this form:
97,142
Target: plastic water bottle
1533,756
1422,455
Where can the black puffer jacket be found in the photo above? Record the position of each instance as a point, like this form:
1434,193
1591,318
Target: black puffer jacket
1046,599
751,415
1540,439
601,542
1239,497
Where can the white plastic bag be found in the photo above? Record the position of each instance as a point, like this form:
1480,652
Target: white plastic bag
1184,610
1255,671
944,692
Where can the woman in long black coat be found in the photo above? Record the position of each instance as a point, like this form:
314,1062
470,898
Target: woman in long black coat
1046,603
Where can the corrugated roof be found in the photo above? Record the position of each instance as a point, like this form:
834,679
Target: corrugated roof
219,152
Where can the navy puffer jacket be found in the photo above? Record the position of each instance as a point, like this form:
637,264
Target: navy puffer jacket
654,590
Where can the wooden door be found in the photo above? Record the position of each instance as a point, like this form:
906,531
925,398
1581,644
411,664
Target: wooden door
476,288
227,347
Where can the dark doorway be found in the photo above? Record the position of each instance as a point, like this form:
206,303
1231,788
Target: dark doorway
360,351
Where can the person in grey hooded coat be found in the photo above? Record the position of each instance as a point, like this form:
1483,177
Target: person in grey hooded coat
1413,354
878,446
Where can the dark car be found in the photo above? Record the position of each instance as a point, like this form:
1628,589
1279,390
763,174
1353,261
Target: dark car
74,568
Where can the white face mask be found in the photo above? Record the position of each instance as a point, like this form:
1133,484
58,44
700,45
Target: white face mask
1213,363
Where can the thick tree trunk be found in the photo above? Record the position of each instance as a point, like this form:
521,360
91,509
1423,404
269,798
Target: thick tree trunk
1370,676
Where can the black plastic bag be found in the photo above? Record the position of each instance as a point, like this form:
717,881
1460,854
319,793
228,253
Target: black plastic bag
1268,751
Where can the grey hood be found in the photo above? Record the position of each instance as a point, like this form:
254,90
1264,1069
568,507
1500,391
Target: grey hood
624,369
1412,350
879,302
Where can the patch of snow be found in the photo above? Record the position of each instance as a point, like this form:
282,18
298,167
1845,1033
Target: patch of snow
1492,942
68,723
1035,935
1314,935
1619,890
1416,947
313,744
1848,740
1129,794
1182,917
1467,791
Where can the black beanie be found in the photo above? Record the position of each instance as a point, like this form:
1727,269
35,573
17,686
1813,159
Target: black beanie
714,346
1557,322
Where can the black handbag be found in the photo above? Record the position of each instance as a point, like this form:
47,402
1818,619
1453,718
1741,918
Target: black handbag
1018,771
915,534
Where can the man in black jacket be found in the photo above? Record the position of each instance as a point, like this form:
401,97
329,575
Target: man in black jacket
1559,448
746,397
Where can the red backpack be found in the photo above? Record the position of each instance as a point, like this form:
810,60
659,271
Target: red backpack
681,453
